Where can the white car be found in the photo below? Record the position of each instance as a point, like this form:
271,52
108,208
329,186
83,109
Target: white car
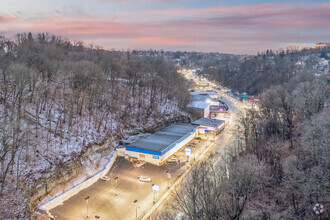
172,160
105,178
144,179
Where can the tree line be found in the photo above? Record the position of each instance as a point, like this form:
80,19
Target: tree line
254,74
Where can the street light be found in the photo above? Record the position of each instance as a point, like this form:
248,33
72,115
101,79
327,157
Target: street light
87,206
116,178
154,188
168,179
135,201
194,152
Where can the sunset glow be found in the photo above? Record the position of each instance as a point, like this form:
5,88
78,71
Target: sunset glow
240,27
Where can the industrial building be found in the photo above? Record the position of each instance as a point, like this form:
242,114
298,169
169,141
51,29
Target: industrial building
209,126
203,104
200,109
157,148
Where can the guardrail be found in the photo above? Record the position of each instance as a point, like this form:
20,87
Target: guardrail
59,199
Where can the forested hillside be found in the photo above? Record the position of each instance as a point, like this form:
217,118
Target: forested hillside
278,165
56,97
254,74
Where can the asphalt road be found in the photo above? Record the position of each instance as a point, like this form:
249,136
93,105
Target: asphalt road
230,102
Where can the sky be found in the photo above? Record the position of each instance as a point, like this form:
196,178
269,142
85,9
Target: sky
236,26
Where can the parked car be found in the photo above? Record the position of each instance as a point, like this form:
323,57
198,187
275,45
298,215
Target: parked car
105,178
144,179
172,160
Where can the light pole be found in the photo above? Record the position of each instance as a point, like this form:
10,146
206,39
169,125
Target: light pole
168,179
154,188
116,178
87,206
135,201
194,152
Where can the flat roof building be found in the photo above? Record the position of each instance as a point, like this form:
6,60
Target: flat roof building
162,141
205,98
160,146
211,93
198,104
206,125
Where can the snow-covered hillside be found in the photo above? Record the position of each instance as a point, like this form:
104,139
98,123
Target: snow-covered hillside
56,99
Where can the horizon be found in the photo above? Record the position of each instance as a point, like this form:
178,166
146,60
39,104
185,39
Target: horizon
239,28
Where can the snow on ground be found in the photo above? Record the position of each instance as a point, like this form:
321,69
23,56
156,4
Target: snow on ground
51,144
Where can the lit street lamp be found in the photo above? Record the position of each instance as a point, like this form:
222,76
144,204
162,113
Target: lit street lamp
168,178
87,206
154,188
116,178
135,201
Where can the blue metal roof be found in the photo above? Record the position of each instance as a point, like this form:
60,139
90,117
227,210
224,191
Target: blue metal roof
164,140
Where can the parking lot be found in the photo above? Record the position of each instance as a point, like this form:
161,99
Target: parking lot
103,201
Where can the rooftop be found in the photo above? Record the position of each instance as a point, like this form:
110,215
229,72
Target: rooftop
209,122
208,92
163,140
198,104
203,97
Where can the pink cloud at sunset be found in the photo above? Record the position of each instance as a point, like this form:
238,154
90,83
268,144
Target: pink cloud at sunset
218,28
6,18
